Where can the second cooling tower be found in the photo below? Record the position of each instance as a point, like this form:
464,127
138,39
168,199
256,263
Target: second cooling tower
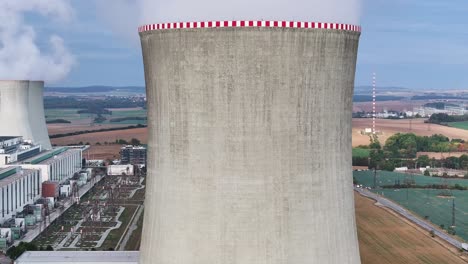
37,115
22,111
249,143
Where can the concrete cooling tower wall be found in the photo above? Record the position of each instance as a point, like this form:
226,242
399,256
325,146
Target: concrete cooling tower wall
22,111
14,109
37,115
250,143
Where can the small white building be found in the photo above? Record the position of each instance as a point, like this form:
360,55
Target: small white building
6,233
401,169
117,170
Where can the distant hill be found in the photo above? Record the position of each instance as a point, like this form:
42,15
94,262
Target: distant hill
366,89
96,89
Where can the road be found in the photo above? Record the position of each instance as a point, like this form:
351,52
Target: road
409,215
130,229
34,232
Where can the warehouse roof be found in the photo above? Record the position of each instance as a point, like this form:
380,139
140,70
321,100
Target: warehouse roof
6,138
98,257
12,174
47,156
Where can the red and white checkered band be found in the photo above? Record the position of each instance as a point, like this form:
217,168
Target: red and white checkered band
250,23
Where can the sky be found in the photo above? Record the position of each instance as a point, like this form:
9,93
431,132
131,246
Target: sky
420,44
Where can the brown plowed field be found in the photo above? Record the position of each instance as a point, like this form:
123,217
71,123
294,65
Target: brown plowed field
105,152
101,137
390,127
68,128
386,238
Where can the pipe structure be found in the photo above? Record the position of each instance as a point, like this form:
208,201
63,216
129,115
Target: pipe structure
14,109
37,115
249,143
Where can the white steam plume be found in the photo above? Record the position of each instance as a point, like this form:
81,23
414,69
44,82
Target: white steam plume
126,15
337,11
20,55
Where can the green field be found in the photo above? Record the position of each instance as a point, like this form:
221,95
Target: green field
73,116
67,114
461,125
389,178
360,153
424,202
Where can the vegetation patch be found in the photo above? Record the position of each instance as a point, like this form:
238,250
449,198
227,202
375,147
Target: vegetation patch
58,121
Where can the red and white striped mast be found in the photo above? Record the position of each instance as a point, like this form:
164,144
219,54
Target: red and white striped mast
374,114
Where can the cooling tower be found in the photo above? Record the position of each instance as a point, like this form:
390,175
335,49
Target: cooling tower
14,109
36,114
249,143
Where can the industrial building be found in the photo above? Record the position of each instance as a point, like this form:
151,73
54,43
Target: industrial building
57,165
18,187
22,111
78,257
118,170
250,142
15,149
135,155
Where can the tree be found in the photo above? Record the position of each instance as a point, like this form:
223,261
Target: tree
427,173
432,233
423,161
49,248
15,251
135,142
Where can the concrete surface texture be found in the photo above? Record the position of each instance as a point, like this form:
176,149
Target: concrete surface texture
37,115
14,109
249,146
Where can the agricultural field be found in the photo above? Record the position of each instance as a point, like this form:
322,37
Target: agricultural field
386,238
129,116
389,178
390,127
430,204
461,125
103,137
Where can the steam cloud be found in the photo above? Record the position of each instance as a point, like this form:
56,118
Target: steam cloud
338,11
126,15
20,55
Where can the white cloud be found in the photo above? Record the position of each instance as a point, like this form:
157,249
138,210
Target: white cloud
20,55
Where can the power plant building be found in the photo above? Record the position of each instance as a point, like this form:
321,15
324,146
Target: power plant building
56,165
249,153
22,111
18,187
135,155
15,149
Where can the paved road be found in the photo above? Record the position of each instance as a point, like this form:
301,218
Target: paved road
409,215
131,229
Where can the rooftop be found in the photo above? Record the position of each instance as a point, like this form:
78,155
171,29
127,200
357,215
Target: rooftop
46,156
98,257
7,138
11,174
